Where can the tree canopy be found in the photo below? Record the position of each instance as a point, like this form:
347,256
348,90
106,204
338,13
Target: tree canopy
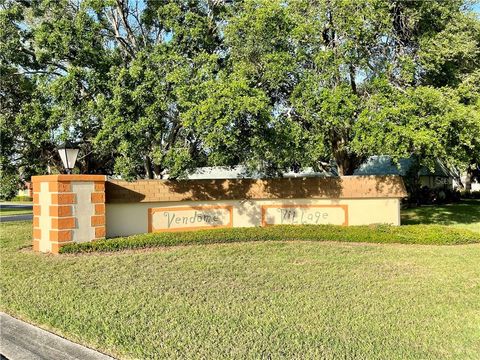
148,87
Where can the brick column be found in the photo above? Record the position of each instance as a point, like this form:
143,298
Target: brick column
98,218
67,208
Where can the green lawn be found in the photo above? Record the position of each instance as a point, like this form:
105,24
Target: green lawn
465,214
12,211
294,299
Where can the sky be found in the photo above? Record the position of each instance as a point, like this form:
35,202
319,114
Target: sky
476,8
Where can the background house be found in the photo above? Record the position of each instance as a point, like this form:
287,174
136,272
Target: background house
26,190
441,177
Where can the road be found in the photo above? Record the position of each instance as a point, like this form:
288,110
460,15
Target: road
16,218
22,341
15,206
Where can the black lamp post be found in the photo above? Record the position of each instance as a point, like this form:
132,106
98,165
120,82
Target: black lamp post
68,153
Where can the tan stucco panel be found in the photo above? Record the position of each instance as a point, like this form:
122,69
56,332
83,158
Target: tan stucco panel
83,210
132,218
45,200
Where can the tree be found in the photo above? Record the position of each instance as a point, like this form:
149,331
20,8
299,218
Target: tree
167,50
15,90
55,48
152,87
115,76
325,70
438,115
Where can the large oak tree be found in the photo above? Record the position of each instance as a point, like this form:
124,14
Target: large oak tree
332,79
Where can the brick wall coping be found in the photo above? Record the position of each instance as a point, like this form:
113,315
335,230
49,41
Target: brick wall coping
68,177
347,187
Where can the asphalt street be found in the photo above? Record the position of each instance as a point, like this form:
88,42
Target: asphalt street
16,218
22,341
14,206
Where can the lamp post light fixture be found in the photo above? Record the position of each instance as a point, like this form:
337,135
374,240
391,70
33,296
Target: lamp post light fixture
68,154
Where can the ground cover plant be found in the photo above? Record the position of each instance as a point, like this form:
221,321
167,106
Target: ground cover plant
418,234
284,299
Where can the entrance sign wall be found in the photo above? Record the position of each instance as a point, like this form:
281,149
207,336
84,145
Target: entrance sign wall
76,208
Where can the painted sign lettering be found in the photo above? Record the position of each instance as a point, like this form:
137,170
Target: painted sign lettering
189,218
304,214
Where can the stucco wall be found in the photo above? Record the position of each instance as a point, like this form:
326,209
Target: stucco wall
124,219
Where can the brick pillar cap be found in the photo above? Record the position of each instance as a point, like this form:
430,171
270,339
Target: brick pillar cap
69,177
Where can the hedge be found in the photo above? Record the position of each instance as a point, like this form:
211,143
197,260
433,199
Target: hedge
22,199
385,234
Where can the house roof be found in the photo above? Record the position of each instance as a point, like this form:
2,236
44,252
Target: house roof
384,165
241,172
375,165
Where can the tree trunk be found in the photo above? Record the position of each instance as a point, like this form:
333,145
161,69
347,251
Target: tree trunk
346,163
468,179
148,168
157,169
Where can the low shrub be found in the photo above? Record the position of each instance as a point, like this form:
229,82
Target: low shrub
408,234
429,196
22,198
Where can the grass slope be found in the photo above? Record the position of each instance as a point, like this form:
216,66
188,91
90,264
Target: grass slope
252,300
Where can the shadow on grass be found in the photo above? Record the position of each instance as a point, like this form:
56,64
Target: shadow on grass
465,212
